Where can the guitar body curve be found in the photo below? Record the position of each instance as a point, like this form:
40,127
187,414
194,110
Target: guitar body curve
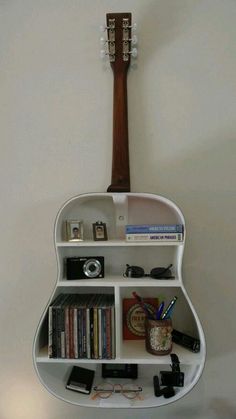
117,210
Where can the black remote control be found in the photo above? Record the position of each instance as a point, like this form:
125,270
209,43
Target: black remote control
186,341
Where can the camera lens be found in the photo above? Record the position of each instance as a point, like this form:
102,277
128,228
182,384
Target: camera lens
92,268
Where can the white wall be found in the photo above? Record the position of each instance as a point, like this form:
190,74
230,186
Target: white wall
55,125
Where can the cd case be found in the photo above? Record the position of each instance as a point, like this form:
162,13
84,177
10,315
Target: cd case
80,380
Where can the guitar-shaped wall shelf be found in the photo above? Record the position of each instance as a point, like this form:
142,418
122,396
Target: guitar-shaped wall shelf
70,335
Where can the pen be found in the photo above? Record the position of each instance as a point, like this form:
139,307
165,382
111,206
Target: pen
169,314
159,311
143,305
169,309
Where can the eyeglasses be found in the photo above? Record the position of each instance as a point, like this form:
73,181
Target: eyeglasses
105,390
156,273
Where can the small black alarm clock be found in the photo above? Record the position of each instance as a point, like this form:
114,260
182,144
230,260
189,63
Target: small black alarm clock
119,370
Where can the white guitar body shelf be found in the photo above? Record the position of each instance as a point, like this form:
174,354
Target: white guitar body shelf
118,210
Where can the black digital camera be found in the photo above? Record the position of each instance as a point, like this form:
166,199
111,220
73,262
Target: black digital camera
84,267
175,377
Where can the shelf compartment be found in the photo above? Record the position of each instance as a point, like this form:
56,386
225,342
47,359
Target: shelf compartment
117,210
116,259
56,376
182,320
182,317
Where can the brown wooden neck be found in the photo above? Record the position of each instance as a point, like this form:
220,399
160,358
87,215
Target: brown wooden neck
119,53
120,180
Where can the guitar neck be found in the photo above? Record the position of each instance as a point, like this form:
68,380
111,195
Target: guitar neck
120,179
119,35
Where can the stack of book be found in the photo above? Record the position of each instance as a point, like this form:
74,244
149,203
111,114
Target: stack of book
154,232
82,326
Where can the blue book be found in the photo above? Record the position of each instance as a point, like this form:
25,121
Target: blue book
154,228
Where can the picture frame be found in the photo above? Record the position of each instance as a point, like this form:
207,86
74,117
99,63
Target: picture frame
99,231
74,230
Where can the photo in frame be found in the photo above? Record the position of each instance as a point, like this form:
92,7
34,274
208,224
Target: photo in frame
74,230
99,231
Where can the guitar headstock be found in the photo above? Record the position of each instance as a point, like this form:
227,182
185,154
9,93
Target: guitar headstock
119,40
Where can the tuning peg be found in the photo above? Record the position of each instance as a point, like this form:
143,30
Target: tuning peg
103,54
103,41
134,26
134,52
134,40
111,25
106,55
102,28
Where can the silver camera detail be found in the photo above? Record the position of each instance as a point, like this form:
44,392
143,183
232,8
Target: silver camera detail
92,268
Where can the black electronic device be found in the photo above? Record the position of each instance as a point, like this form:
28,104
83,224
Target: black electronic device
169,378
85,267
175,377
120,371
186,341
167,392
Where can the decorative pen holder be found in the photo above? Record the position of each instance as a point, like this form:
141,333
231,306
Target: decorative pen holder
158,336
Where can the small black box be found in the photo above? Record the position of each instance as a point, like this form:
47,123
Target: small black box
120,371
80,380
